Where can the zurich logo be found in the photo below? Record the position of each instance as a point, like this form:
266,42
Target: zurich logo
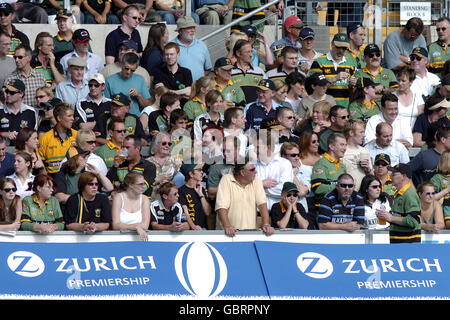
26,264
201,269
314,265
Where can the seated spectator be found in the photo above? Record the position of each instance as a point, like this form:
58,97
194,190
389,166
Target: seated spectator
425,81
27,141
214,12
338,118
6,160
289,62
363,104
258,56
17,37
63,38
239,195
286,119
130,209
15,114
389,113
166,212
44,61
130,84
231,91
213,115
113,145
410,102
307,54
196,104
280,96
309,154
153,55
180,136
88,210
384,143
133,163
211,146
231,42
234,125
290,151
172,10
147,12
10,206
94,106
263,107
75,87
316,120
50,218
342,208
374,199
46,102
292,27
7,63
120,108
316,87
381,167
158,120
23,176
155,101
356,33
93,12
434,116
289,212
431,213
296,89
441,183
192,196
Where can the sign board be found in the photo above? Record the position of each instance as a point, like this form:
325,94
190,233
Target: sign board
410,10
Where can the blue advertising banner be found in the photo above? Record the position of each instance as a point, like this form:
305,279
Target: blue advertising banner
355,271
127,269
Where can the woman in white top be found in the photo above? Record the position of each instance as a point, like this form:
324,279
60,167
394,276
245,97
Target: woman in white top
410,103
374,200
23,165
130,209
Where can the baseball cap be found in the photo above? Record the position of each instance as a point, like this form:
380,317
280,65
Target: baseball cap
63,13
364,82
97,77
403,168
189,167
6,7
289,186
318,79
383,157
120,99
266,84
419,51
270,123
341,40
444,103
185,22
130,44
293,22
223,63
370,48
15,85
81,35
50,104
307,33
248,30
76,62
352,27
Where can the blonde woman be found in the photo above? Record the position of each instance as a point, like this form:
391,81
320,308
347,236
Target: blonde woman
196,105
432,217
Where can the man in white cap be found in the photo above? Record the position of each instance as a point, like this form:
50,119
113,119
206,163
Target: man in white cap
75,88
95,103
194,53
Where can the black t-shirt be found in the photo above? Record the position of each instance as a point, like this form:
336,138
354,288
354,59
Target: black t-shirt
190,199
278,211
174,81
98,210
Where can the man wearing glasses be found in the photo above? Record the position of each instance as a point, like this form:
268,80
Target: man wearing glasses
116,130
6,18
425,81
342,208
438,49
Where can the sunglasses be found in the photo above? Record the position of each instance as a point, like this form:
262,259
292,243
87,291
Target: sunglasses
93,184
344,117
290,117
166,143
120,131
292,194
426,193
314,141
441,29
252,169
415,58
376,187
40,97
375,55
11,92
382,164
10,189
346,185
135,17
294,155
18,57
129,69
91,142
4,14
93,85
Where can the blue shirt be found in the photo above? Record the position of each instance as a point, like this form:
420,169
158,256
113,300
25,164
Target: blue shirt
67,92
201,3
115,37
152,60
116,83
7,165
255,113
195,58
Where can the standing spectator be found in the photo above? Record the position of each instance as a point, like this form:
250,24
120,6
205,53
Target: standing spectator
239,195
307,54
116,131
94,63
50,218
292,26
126,31
342,208
400,43
374,199
15,114
425,81
88,211
356,157
192,196
30,77
6,18
153,55
194,53
130,84
384,143
63,39
262,108
431,214
337,69
438,49
130,209
405,217
75,87
55,142
94,12
214,12
7,64
356,33
44,60
338,118
258,56
244,73
10,206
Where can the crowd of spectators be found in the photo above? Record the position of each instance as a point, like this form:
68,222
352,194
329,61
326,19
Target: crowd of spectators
154,136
